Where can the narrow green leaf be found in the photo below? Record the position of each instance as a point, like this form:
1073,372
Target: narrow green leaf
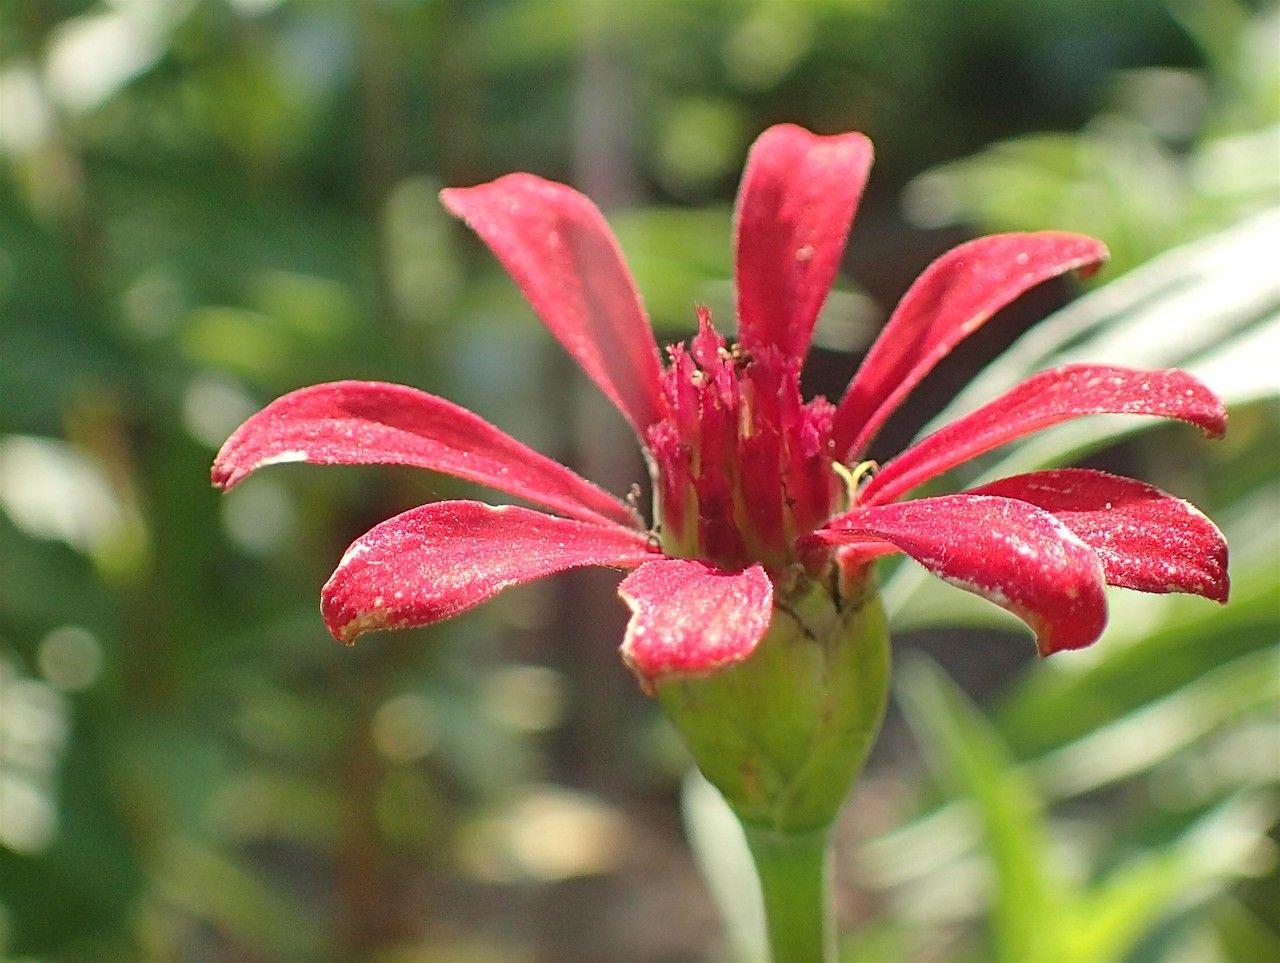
1139,740
213,887
967,752
1222,846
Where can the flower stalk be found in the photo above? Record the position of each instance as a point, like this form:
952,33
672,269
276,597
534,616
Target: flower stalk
795,872
783,735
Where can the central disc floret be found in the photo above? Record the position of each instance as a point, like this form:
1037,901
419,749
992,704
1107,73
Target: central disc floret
743,464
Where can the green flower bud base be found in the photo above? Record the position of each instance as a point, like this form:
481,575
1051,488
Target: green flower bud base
783,735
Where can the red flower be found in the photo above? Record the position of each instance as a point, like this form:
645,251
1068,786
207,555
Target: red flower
745,492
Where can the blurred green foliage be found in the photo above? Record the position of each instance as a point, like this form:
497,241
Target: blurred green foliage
204,204
1176,153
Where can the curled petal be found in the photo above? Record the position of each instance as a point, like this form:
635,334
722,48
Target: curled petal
1021,558
797,199
371,423
1147,540
954,297
557,247
436,561
1045,399
690,618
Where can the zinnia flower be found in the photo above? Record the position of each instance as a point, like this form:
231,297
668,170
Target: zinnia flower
751,494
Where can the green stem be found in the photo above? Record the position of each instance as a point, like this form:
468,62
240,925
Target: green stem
794,872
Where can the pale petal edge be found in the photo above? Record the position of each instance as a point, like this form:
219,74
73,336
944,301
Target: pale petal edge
1021,558
440,560
1045,399
1147,540
369,422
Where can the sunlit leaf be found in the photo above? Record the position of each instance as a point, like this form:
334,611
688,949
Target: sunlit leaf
967,752
1120,909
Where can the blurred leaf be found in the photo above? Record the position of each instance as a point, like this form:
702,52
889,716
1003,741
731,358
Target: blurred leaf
1128,177
963,748
268,805
720,850
1172,650
210,886
1139,739
680,258
1115,181
1036,915
1243,936
316,308
700,140
1118,911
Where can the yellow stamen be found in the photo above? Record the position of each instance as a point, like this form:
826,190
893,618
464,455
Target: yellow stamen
853,477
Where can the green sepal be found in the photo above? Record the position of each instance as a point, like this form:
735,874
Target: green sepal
783,734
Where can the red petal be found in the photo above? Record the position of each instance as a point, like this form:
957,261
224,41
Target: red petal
954,297
563,257
689,618
370,423
1042,400
1147,540
437,561
1018,556
796,202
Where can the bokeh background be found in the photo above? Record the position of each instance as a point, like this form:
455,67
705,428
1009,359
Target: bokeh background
205,204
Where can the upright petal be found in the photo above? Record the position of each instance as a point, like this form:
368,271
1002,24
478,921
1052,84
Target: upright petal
557,247
1021,558
688,617
439,560
372,423
1045,399
1147,540
797,199
954,297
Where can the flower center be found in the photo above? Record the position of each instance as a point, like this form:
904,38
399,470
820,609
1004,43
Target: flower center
742,464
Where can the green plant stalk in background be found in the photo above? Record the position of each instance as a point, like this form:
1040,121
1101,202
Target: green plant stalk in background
782,736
